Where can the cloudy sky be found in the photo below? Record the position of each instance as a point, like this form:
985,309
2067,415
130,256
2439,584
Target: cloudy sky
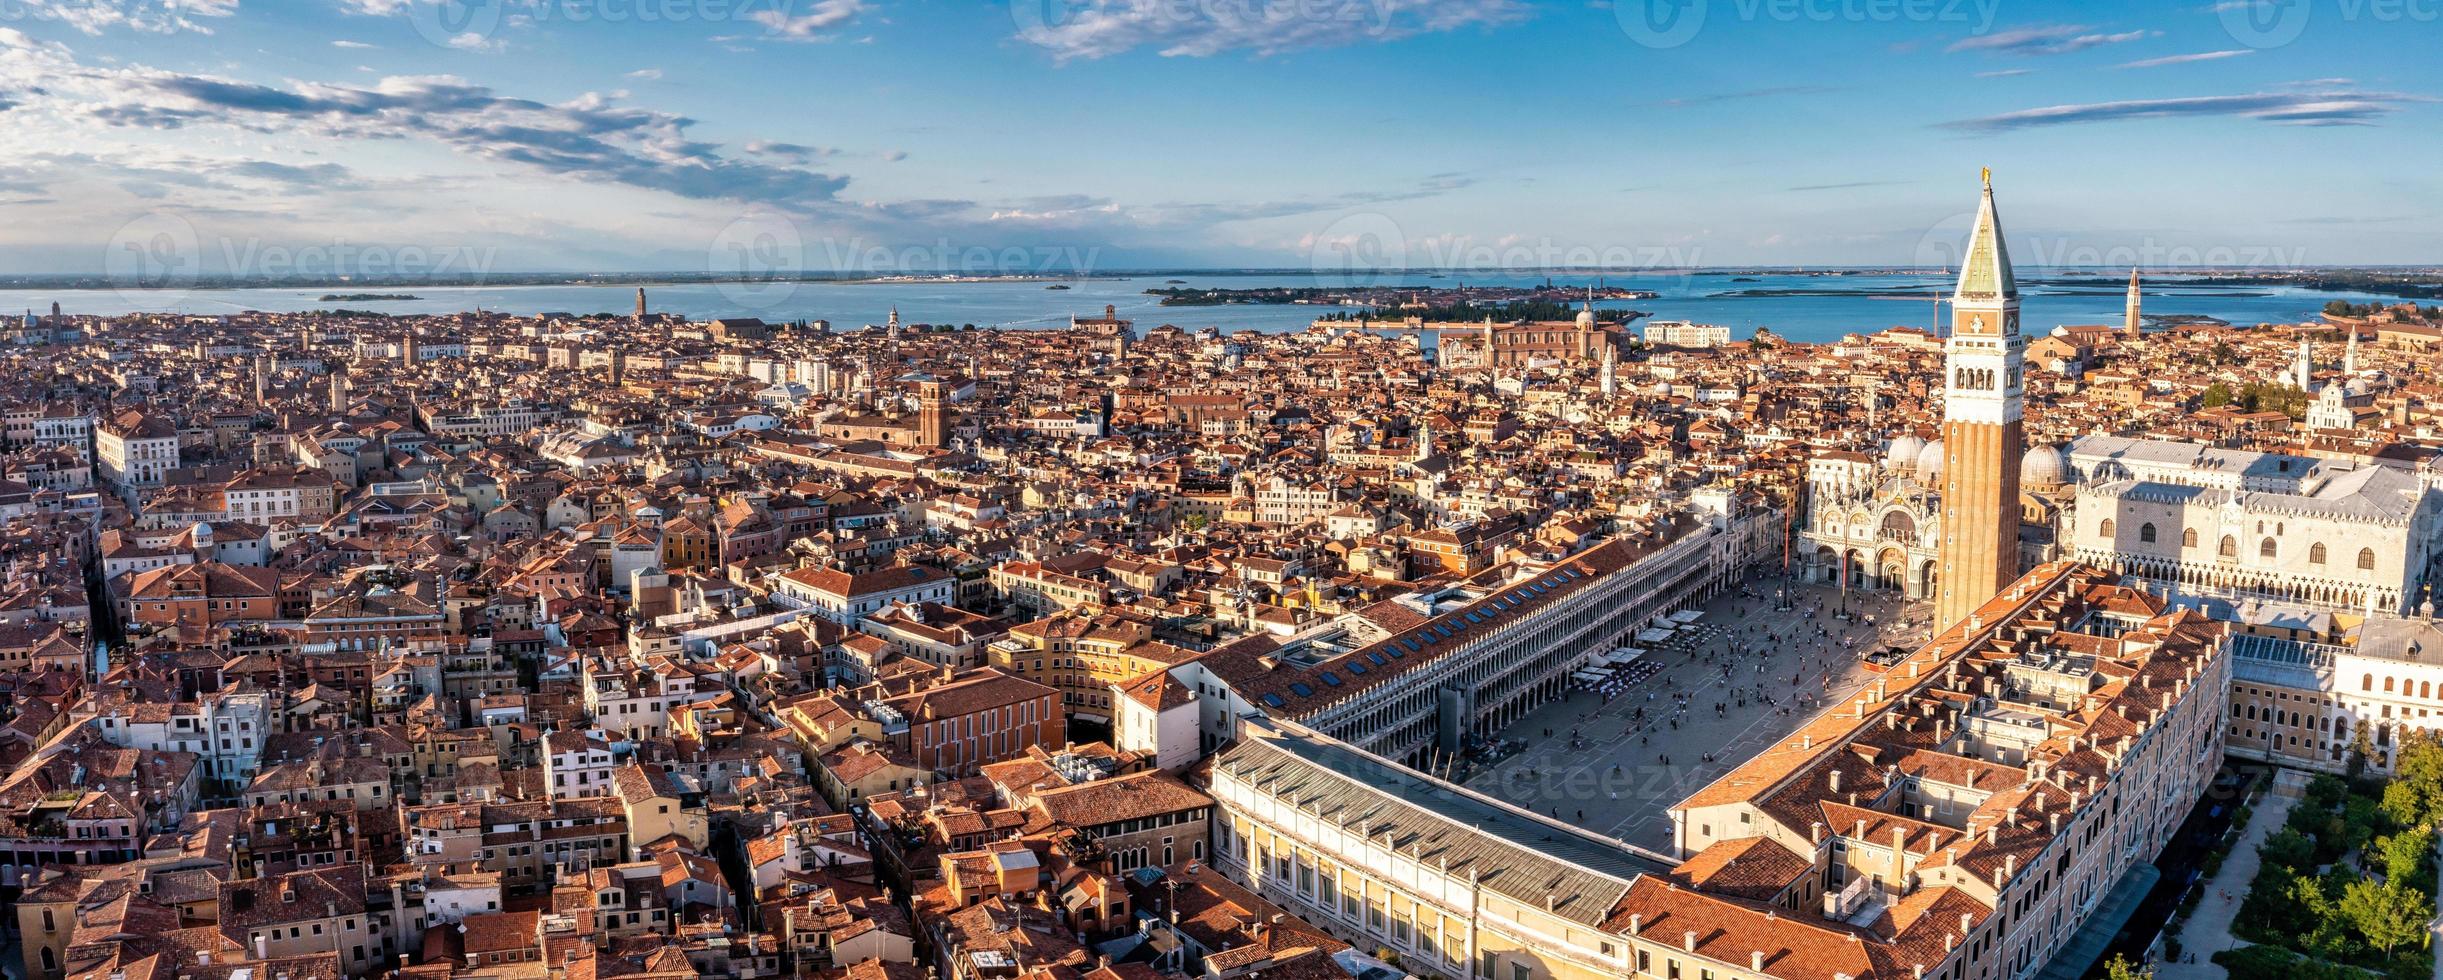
679,134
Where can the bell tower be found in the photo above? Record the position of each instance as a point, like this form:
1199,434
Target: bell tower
1982,436
932,414
2131,324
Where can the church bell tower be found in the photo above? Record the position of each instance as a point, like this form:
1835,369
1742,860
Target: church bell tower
1982,436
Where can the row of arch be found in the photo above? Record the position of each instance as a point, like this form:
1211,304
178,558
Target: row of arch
2228,547
2425,689
2244,580
1887,570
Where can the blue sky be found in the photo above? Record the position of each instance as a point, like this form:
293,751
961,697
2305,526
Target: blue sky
261,136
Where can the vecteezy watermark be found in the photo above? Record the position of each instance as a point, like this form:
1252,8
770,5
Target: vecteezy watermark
1368,249
1944,247
159,256
2149,253
1057,24
474,24
761,258
2274,23
157,252
1671,23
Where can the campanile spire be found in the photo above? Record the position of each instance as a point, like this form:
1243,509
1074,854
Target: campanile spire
1982,436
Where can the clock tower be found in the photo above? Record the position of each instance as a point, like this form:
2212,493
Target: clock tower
1982,438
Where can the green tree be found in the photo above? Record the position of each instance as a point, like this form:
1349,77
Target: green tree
2288,848
2119,968
2404,854
2414,797
2217,395
2388,915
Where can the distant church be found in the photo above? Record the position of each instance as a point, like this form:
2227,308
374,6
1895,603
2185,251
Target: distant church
1527,344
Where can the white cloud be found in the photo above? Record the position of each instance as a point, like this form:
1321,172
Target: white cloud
2182,59
2311,107
1073,29
816,24
351,45
646,74
150,16
2045,40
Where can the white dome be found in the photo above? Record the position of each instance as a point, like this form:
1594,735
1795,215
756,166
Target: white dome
1586,318
2044,466
1930,461
1903,453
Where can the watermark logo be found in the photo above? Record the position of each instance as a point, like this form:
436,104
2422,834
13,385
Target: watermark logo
1085,27
1362,249
1671,23
1944,245
1660,23
462,24
1367,249
2264,23
155,258
759,257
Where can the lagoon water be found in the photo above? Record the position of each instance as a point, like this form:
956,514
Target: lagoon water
1797,306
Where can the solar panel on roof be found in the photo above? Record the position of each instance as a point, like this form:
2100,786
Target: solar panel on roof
1331,679
1405,647
1376,658
1300,689
1275,701
1473,618
1356,669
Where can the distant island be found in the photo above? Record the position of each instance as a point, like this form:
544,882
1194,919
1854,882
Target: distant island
1394,300
365,297
1527,310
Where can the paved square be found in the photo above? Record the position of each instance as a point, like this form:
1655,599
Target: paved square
1624,771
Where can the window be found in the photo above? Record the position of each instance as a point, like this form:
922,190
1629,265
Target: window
2146,533
2188,537
2264,549
2315,553
2229,547
2366,559
2104,531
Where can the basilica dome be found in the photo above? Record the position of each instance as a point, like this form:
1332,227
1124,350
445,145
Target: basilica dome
2044,466
1903,453
1930,462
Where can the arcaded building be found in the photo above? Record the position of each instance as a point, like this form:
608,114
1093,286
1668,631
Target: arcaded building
1956,821
2333,534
